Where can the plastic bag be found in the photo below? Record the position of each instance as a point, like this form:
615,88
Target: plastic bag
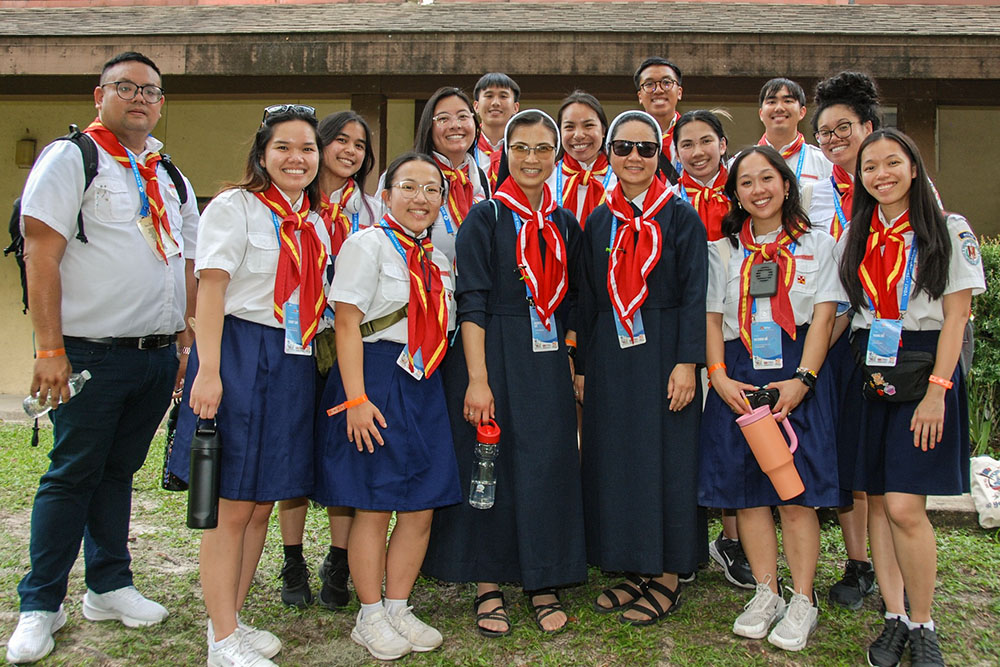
985,473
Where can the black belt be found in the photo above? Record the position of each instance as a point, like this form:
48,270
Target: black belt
154,342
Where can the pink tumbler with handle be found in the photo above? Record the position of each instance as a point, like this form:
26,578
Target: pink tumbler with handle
773,456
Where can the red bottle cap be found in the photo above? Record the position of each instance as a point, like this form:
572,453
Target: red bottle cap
488,433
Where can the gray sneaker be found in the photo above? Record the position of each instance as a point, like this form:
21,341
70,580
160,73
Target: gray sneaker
421,636
763,609
377,635
793,630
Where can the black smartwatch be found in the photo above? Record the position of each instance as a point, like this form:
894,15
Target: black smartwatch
806,376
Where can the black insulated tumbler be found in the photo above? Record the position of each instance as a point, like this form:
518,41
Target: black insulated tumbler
203,489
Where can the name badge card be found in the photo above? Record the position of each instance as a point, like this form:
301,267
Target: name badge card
148,231
638,336
542,339
765,344
417,372
293,332
883,342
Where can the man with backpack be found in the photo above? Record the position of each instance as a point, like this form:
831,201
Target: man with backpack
110,282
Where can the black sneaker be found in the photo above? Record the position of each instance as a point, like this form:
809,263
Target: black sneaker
334,573
887,650
858,581
729,554
295,590
924,649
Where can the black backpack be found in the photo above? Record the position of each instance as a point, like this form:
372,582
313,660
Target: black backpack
88,151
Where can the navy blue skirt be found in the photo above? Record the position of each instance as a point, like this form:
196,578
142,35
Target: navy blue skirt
415,469
265,418
885,458
841,365
728,474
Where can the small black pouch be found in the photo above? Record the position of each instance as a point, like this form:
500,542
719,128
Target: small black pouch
764,280
902,383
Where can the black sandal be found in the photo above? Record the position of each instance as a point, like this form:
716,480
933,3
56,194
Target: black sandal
543,611
634,586
496,614
654,611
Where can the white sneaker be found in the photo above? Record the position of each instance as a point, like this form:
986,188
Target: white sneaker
792,632
421,636
763,609
125,604
234,651
262,641
379,637
32,639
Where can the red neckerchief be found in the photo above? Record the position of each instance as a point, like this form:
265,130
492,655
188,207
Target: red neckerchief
460,192
494,154
546,276
591,179
106,139
668,136
781,307
845,190
301,262
791,149
427,312
635,250
884,263
710,201
334,215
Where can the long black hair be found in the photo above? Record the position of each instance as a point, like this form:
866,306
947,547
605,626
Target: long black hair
582,97
423,140
332,125
930,226
793,217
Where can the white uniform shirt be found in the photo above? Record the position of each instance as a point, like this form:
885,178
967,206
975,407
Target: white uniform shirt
680,191
818,197
815,280
815,166
482,158
237,235
114,285
372,275
965,271
581,191
367,208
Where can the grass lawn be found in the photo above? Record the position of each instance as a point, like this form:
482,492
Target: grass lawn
967,607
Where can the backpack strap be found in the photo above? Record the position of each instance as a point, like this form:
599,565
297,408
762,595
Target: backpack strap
88,151
175,176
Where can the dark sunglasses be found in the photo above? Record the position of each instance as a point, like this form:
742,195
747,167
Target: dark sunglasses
285,109
622,148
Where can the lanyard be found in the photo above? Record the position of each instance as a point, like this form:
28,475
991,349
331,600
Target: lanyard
836,204
447,219
517,231
798,167
138,181
559,181
746,253
277,225
354,223
904,301
392,237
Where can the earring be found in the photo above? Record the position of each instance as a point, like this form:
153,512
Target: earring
786,194
739,204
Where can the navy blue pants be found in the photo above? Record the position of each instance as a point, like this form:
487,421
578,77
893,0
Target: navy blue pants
101,440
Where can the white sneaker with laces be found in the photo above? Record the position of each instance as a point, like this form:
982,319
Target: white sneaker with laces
421,636
792,632
377,635
235,651
125,604
763,609
262,641
32,639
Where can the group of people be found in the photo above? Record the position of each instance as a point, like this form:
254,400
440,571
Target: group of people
609,294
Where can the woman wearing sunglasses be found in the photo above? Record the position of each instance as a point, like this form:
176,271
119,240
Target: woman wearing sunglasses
261,260
643,267
513,287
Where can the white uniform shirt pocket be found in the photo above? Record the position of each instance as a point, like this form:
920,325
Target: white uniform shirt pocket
112,201
806,276
395,283
262,252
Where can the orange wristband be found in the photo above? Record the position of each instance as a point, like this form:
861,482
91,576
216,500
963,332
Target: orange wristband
947,384
353,403
570,343
50,354
715,367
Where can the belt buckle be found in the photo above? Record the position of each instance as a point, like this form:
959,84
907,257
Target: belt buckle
148,342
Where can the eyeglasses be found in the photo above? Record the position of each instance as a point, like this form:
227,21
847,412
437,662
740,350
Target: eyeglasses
409,189
843,130
623,148
541,150
649,87
443,119
284,109
128,90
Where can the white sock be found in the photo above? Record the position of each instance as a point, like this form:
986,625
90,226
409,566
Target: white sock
368,609
913,625
902,617
395,607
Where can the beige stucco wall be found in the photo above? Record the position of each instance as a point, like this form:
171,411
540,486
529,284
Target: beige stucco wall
968,145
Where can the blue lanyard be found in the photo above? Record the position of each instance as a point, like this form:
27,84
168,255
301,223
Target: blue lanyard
517,231
559,182
138,181
447,219
354,223
798,167
684,191
392,237
904,302
746,253
277,225
836,204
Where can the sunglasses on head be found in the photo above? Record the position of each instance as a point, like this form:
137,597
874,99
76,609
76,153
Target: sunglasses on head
287,109
622,148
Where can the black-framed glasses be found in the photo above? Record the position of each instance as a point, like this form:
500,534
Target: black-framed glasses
649,87
128,90
409,189
285,109
541,150
842,130
623,148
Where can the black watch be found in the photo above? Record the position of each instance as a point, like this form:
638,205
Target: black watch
807,378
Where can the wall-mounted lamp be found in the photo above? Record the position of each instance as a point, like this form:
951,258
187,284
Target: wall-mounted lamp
24,155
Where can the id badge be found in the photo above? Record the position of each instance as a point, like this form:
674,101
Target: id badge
418,363
883,342
765,344
293,332
149,235
638,332
542,339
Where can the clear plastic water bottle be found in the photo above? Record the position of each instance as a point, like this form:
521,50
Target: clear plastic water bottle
36,408
482,492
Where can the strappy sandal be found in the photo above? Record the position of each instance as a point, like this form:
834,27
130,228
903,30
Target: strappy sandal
654,611
497,614
543,611
633,586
